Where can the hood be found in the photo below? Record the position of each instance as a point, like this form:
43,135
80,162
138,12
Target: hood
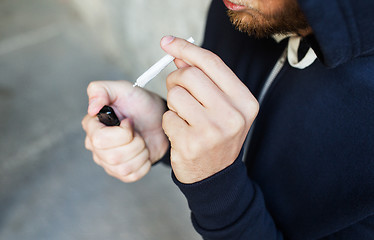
343,29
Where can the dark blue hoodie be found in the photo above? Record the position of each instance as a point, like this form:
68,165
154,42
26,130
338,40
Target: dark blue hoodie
309,171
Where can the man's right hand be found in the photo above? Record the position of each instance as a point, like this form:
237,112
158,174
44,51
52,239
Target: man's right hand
126,151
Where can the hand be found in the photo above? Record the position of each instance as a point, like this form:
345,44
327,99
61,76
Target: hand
210,114
126,151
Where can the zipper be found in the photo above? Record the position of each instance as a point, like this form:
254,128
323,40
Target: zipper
269,81
273,74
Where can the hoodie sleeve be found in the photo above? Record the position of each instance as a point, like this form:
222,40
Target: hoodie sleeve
228,205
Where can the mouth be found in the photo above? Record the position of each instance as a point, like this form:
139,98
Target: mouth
232,6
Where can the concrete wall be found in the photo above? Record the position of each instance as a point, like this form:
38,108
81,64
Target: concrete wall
130,30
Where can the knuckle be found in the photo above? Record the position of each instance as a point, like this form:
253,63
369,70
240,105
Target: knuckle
96,159
213,135
184,46
91,87
174,97
124,135
130,179
105,138
173,93
214,60
97,141
110,173
183,77
189,73
255,108
87,143
170,79
251,108
166,118
139,142
234,124
83,123
192,150
125,170
112,159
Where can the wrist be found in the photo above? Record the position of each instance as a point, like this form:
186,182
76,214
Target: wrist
220,199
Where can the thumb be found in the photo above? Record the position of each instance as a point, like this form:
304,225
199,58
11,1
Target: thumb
127,125
98,96
116,136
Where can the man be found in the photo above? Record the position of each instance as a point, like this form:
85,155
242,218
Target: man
306,168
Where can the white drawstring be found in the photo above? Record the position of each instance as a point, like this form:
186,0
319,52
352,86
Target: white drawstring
292,49
293,60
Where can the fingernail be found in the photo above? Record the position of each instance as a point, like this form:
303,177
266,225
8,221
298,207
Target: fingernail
167,40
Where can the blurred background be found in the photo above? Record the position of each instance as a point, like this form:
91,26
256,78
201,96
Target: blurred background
49,51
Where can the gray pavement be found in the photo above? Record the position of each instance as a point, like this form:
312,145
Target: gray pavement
49,186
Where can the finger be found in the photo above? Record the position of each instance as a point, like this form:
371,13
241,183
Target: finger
103,137
129,167
98,96
186,106
110,173
138,174
87,144
102,93
96,159
179,63
85,121
91,124
198,84
118,155
127,125
209,63
173,126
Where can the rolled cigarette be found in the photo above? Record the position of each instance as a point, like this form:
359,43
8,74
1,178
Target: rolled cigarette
156,69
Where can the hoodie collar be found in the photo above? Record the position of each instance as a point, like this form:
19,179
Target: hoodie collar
342,28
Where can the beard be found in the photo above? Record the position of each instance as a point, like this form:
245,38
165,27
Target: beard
255,23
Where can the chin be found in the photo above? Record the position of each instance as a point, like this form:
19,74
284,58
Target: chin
252,23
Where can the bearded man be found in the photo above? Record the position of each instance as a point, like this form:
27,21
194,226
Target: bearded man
269,125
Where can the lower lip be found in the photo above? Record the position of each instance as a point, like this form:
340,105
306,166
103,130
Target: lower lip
233,6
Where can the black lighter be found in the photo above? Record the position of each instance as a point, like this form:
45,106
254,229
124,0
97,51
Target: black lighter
108,117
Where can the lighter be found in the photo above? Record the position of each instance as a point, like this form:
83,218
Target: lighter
108,117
